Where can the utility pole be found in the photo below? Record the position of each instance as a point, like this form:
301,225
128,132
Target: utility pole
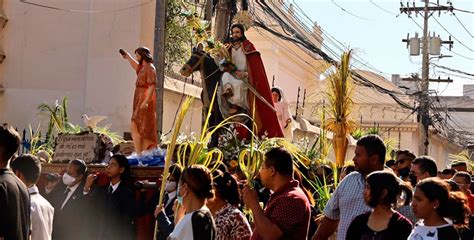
423,111
159,58
223,13
425,74
208,13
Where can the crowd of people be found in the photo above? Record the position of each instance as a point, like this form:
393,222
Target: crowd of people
407,198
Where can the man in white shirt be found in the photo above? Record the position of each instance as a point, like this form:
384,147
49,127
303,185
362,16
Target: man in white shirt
28,168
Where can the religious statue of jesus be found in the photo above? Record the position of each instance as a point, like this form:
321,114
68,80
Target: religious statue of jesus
244,83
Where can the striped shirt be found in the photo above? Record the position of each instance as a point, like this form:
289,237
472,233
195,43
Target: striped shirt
347,202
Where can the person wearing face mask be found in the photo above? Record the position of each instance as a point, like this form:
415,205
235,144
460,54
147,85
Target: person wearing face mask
403,164
164,214
195,187
68,202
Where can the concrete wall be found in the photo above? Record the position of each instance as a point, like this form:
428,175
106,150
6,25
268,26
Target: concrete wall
51,54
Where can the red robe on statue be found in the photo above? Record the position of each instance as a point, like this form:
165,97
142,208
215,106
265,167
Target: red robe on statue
265,118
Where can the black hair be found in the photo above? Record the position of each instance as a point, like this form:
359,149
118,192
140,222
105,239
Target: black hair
278,92
452,205
242,30
381,182
409,155
81,167
426,164
449,171
145,53
298,177
280,159
453,186
9,142
373,144
199,181
29,165
122,161
459,164
390,163
226,187
175,171
466,176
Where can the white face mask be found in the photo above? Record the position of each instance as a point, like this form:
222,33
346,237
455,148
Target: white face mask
170,186
68,180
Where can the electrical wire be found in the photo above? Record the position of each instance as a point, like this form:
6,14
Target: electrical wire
453,70
453,8
401,122
462,24
458,54
84,11
296,38
455,53
462,10
352,14
470,49
359,79
383,9
455,75
330,38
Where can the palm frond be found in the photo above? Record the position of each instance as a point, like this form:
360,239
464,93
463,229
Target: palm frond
339,92
105,130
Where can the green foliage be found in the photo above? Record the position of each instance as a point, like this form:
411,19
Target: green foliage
59,123
115,137
324,189
358,133
35,142
177,36
58,119
375,130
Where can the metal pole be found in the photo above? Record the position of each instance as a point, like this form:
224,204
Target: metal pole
159,57
424,108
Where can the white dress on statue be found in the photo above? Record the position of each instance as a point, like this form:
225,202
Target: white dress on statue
235,85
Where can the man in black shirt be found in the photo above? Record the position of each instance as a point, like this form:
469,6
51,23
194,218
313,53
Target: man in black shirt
14,197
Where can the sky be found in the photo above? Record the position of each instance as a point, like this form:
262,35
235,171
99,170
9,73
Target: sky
373,28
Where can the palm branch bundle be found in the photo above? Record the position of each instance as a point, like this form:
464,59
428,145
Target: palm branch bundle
195,151
339,92
58,118
170,150
35,143
171,146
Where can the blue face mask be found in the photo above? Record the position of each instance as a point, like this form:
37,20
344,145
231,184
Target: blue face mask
179,197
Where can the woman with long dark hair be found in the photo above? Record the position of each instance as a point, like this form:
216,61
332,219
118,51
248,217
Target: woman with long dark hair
231,223
195,187
113,205
434,203
381,192
143,125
